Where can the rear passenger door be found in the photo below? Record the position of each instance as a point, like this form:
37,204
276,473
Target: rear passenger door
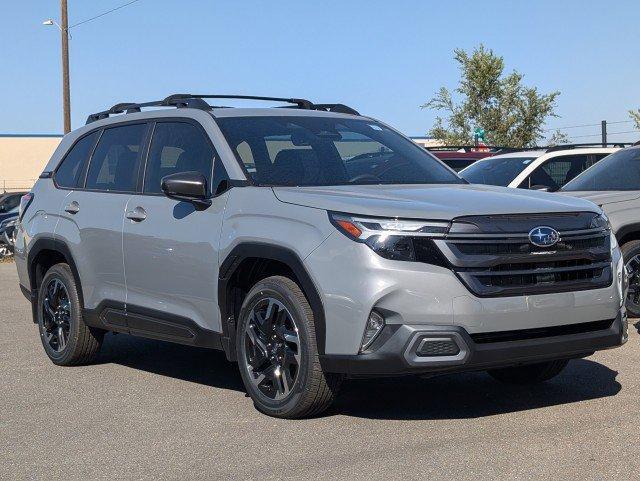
92,214
170,247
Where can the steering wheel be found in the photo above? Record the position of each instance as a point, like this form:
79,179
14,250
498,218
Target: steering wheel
360,177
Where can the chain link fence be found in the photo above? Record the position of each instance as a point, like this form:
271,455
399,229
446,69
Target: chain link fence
16,185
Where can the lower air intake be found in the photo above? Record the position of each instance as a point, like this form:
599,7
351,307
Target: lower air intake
437,348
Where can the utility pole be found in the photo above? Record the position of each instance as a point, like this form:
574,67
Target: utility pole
66,95
604,133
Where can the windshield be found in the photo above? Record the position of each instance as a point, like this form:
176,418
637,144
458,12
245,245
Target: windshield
496,170
310,151
618,171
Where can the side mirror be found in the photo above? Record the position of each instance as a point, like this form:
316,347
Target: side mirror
187,186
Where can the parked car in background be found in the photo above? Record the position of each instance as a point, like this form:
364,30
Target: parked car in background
544,169
458,157
8,236
9,203
614,185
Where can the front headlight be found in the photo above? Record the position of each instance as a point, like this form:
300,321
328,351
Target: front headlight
396,239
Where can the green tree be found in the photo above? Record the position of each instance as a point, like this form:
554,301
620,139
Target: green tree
635,116
558,138
510,113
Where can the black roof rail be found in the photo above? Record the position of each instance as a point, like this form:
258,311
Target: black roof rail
338,108
555,148
197,101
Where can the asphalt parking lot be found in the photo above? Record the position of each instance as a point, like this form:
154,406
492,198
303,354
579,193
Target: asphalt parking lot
149,409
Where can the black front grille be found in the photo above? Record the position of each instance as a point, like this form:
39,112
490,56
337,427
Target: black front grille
520,247
541,332
500,260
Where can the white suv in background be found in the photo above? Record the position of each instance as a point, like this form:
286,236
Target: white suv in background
545,169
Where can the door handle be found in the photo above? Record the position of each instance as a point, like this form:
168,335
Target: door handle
136,215
72,208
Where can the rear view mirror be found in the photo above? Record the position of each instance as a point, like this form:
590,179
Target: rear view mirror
187,186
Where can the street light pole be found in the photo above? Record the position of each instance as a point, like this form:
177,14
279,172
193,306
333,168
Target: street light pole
66,95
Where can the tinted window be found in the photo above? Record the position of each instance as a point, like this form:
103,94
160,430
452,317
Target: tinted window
559,170
9,202
114,165
177,147
458,164
291,150
496,170
68,173
618,171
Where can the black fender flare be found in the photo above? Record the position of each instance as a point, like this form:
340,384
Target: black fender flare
627,229
57,245
272,252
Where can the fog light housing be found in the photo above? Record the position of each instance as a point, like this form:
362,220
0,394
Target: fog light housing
374,326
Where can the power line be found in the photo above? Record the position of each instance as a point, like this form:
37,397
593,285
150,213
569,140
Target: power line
608,133
588,125
103,14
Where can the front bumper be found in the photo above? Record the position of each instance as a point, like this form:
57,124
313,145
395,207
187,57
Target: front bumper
395,352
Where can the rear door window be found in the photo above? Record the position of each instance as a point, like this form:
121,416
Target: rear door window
116,160
68,174
556,172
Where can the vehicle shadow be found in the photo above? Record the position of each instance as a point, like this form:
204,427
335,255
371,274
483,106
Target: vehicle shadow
472,395
198,365
455,396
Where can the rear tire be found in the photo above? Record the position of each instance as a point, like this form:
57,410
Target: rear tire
631,256
529,374
278,352
66,339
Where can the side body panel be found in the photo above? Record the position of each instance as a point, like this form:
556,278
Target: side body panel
624,217
39,222
94,237
171,258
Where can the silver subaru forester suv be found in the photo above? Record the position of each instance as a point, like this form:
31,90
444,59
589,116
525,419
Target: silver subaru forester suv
311,244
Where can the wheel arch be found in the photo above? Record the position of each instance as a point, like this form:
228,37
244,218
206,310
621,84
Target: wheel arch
628,232
45,252
257,261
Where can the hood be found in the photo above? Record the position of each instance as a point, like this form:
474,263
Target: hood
438,202
606,197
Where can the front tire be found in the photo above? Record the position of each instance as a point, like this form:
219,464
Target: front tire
529,374
278,353
66,339
631,256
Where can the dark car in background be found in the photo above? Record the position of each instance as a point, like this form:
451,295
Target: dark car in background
9,203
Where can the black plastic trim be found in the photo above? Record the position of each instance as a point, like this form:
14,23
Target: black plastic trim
625,230
25,292
272,252
143,322
390,361
49,243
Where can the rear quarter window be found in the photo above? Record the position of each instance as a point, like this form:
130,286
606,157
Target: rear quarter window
68,172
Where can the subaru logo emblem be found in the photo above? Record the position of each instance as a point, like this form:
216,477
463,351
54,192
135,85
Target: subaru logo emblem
544,236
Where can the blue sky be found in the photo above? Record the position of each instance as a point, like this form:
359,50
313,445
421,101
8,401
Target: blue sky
384,58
